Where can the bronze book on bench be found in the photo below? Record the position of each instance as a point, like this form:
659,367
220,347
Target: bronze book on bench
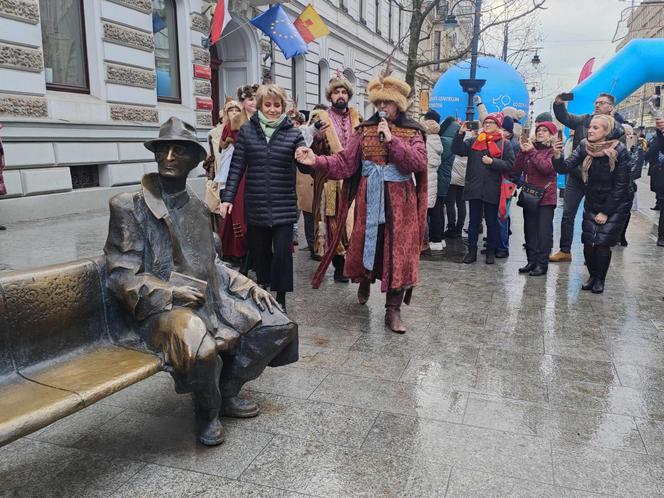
181,280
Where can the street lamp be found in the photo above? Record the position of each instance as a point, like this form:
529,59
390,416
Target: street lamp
472,85
535,61
450,22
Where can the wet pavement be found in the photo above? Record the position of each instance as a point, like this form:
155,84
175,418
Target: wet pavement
504,385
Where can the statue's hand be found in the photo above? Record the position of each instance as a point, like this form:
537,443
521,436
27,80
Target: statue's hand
263,298
188,296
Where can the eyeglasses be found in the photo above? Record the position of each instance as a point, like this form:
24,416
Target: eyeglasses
382,103
602,102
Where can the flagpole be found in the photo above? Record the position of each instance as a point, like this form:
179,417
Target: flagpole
236,29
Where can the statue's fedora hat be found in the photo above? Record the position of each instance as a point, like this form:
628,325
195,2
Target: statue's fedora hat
176,130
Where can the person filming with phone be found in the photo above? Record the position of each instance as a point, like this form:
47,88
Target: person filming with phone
490,156
575,189
538,195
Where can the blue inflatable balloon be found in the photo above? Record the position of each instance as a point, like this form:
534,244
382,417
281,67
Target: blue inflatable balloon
504,87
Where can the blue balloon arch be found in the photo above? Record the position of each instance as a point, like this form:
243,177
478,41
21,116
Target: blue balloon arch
504,87
640,61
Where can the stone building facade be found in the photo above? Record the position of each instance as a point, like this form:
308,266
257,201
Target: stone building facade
83,83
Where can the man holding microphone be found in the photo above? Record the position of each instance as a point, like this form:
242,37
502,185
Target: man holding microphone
385,164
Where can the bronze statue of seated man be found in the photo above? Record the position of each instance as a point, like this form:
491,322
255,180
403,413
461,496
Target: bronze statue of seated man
214,328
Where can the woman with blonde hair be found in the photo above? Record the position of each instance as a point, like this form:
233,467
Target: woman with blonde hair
264,154
605,166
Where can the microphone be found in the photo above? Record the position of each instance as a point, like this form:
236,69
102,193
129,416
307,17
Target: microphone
381,135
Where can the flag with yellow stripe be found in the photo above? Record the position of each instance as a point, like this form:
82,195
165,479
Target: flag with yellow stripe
310,25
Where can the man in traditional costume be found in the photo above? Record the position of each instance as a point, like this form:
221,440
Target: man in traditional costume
213,328
339,123
385,164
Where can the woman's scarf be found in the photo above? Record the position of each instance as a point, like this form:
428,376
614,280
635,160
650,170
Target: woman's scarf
545,144
269,126
487,141
599,149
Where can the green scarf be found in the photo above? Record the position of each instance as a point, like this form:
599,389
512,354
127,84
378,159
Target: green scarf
269,126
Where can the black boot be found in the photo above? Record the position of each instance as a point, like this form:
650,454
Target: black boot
471,256
2,227
602,262
363,291
527,269
589,255
210,431
338,263
490,257
237,407
281,299
660,241
538,271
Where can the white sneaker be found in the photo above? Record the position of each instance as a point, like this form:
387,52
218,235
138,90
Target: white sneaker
437,246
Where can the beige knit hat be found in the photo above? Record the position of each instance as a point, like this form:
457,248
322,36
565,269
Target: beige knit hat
389,88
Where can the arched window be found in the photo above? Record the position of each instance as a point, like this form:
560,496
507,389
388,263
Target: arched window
63,38
164,27
323,80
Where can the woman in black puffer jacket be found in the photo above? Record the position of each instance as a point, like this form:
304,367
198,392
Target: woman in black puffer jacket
605,166
265,148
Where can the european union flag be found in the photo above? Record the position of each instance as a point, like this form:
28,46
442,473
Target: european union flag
275,23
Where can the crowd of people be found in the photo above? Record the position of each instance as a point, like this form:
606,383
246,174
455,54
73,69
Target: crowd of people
377,193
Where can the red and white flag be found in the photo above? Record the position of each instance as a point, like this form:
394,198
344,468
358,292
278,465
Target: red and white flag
220,19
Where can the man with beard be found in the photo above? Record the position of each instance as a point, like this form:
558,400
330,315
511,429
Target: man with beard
339,122
385,167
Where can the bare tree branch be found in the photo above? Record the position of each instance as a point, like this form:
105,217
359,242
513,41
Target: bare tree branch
537,4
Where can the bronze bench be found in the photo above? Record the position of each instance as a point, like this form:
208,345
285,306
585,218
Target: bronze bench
60,351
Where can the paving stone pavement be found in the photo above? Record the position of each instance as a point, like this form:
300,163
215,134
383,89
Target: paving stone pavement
504,385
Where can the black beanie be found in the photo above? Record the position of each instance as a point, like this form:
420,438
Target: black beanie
545,116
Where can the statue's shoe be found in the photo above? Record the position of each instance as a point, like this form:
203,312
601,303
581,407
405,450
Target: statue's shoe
211,433
239,408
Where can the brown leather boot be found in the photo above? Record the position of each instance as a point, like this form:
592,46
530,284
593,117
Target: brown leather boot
393,302
363,291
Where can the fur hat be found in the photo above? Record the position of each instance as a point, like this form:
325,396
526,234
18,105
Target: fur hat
294,114
246,92
389,88
231,103
339,81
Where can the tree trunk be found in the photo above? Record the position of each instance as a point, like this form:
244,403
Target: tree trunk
413,44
